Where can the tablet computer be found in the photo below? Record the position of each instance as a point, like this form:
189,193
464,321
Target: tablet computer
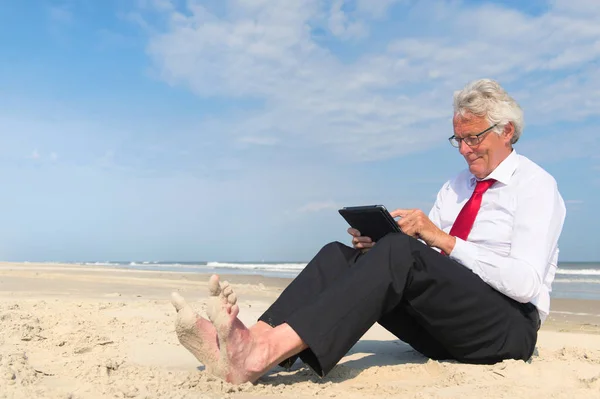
372,221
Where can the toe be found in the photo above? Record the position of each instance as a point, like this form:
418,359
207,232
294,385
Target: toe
232,298
213,285
226,288
234,311
178,301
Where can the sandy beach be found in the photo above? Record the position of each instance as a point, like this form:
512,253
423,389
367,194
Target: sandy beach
82,332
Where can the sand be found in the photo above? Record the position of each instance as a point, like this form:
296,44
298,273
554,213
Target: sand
77,332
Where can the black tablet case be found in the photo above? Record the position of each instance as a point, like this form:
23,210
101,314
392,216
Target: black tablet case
372,221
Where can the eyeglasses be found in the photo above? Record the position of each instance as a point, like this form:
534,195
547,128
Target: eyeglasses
471,140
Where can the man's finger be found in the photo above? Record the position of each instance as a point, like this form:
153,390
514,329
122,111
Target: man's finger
353,232
364,244
405,225
400,212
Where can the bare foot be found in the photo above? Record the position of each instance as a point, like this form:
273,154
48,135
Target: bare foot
242,358
222,300
196,334
226,347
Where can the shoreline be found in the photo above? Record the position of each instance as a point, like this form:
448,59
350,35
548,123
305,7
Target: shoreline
581,315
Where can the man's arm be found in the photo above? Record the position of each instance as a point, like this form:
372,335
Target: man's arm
427,228
434,213
538,221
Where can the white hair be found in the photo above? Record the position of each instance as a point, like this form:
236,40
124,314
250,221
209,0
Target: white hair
485,97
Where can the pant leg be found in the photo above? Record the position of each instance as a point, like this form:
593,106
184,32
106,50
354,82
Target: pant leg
333,260
470,320
405,326
473,322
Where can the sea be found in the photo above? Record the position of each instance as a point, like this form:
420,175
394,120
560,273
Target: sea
575,280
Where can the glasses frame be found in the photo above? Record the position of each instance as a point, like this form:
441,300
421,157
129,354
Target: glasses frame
477,137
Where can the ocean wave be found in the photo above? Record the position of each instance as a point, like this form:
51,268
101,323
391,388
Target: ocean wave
167,266
258,266
97,263
268,267
577,281
581,272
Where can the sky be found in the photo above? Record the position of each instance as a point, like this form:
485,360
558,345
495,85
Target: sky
233,130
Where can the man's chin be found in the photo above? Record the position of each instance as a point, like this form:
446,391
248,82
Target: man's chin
476,170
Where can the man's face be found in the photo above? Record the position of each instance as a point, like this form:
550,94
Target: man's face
484,157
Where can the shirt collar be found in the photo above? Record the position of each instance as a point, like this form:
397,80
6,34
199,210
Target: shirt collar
503,171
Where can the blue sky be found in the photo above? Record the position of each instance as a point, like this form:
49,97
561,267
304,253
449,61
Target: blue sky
229,130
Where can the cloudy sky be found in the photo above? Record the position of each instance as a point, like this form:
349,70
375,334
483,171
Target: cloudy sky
230,130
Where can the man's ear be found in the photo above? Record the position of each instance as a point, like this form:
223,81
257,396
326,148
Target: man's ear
509,131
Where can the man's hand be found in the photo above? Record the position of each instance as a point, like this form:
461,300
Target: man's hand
360,242
416,224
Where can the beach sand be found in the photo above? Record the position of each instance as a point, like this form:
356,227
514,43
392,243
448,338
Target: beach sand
82,332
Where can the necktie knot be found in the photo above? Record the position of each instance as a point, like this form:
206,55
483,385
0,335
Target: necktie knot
483,185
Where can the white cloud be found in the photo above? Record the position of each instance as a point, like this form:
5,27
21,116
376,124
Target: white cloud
341,24
577,7
386,102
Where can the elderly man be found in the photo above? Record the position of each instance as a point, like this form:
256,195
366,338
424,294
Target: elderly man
470,282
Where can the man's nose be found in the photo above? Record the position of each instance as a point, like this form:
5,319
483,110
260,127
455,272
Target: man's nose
463,148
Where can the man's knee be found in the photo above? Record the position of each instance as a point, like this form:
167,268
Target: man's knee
395,240
396,246
336,249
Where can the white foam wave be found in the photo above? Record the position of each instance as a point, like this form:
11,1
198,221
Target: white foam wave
258,266
581,272
578,281
98,263
168,266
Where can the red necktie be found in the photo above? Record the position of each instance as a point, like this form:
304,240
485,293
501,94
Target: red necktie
464,221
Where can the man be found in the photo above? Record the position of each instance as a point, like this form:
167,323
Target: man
471,282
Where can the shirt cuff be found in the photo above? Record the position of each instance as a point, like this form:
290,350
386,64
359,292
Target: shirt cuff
466,253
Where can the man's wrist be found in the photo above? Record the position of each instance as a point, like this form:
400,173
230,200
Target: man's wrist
446,243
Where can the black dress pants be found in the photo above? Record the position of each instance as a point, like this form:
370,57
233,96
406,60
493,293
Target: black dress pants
433,303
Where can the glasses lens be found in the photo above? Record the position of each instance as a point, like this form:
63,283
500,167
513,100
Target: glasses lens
471,140
454,142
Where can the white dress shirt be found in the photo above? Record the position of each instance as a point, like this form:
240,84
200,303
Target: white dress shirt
513,245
